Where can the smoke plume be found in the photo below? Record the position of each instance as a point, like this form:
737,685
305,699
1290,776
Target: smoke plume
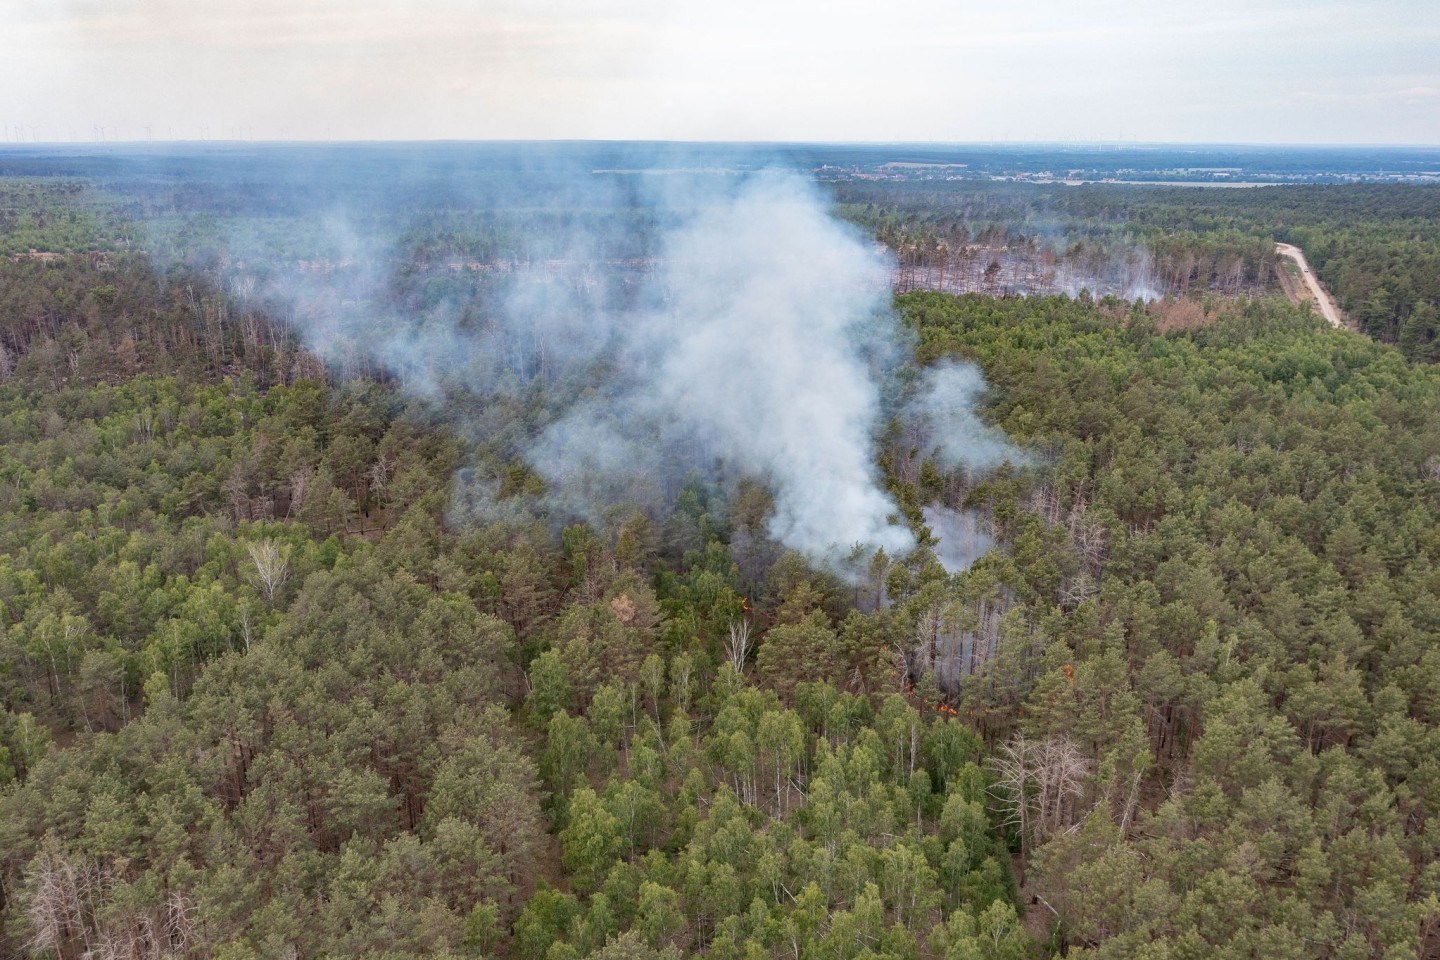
945,404
757,351
962,537
944,419
646,331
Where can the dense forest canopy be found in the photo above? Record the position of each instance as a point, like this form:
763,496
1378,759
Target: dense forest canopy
271,690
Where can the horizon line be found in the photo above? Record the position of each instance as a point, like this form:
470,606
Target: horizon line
357,141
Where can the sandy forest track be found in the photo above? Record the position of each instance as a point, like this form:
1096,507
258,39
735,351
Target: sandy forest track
1327,306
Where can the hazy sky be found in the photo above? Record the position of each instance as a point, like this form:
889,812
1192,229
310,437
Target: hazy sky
1363,71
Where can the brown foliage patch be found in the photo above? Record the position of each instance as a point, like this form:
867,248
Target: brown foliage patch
1173,315
623,608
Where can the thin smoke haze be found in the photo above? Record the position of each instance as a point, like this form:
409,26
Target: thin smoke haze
737,329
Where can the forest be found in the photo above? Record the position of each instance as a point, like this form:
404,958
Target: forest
1375,246
268,692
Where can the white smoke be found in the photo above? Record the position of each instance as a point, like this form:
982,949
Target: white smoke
945,404
755,355
962,535
723,328
944,418
768,292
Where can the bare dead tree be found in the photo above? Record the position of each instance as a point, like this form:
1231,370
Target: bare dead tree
1089,537
927,636
50,906
1037,785
180,916
380,472
299,488
72,912
272,565
1046,502
237,488
247,628
65,894
737,647
1013,789
987,631
1076,590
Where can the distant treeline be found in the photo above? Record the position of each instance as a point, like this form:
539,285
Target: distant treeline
1377,247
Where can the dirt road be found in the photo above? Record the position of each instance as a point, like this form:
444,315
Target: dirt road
1327,306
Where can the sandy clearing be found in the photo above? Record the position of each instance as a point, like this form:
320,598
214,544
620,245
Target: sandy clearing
1328,309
